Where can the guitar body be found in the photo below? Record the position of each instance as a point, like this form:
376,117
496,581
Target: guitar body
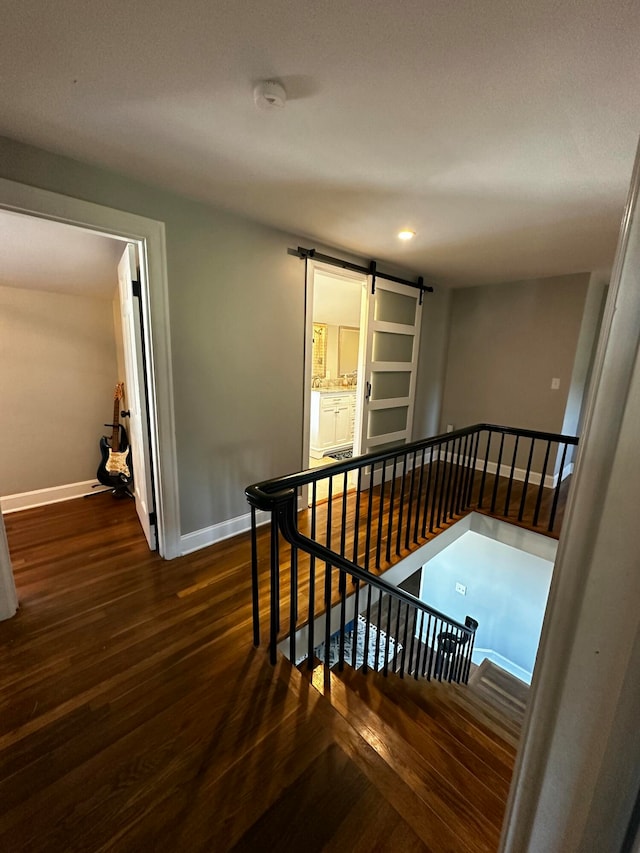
114,470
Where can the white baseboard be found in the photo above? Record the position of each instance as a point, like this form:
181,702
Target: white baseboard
42,497
550,480
191,542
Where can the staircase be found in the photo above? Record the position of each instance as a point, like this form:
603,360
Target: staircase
409,765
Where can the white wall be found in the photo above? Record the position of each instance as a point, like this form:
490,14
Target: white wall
506,591
57,375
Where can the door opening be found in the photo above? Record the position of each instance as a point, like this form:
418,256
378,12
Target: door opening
333,375
148,237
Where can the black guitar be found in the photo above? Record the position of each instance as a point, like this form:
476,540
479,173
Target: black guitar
114,470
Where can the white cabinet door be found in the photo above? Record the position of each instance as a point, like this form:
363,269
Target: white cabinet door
327,431
343,431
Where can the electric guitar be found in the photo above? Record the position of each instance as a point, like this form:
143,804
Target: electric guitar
114,470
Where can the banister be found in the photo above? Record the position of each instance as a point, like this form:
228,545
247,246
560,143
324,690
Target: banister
272,491
403,496
291,533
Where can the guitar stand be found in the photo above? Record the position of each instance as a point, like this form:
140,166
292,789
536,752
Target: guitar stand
118,492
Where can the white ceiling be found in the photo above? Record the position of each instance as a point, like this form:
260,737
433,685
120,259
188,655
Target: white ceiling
336,301
51,256
503,133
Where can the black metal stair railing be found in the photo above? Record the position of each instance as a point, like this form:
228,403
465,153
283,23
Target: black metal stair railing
363,515
386,627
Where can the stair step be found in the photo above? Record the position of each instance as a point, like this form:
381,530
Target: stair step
471,709
487,757
425,765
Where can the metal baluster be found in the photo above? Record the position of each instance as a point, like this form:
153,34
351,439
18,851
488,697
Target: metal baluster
380,513
356,626
419,498
464,473
427,494
443,482
484,471
497,477
274,590
412,662
457,479
367,544
451,452
472,472
293,605
388,643
416,672
410,507
401,508
435,486
397,636
525,485
255,604
312,581
391,500
541,486
432,648
425,653
356,524
328,593
510,486
376,655
404,641
365,665
343,529
554,506
469,657
343,615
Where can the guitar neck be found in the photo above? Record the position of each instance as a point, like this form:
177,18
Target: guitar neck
115,433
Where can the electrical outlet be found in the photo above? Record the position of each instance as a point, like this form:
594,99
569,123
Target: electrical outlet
449,427
555,384
461,588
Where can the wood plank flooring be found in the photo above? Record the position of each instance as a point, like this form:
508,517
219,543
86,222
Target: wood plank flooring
135,713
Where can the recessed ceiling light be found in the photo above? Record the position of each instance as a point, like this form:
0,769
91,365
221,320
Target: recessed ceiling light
406,234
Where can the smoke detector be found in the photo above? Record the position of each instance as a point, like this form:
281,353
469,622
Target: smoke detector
269,95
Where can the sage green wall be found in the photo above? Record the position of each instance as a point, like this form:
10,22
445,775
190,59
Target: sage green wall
237,332
506,343
57,375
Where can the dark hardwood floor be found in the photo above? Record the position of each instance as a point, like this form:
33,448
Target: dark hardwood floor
135,714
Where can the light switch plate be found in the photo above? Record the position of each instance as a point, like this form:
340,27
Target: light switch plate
555,384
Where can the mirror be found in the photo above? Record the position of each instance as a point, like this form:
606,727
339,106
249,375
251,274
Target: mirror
348,342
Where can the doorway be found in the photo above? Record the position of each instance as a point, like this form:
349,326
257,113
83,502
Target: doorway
336,306
71,333
148,238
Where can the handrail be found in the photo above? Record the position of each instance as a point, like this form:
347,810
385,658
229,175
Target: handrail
402,496
264,494
294,537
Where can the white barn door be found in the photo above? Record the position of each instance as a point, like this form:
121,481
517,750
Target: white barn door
392,342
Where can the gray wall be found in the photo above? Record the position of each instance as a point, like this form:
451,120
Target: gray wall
57,375
506,343
434,336
237,333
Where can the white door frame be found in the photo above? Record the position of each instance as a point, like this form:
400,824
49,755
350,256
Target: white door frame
149,236
359,278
